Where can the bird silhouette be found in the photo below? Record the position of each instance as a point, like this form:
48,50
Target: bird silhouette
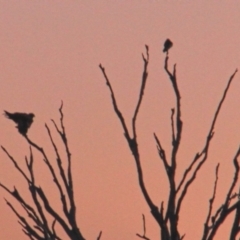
167,45
23,120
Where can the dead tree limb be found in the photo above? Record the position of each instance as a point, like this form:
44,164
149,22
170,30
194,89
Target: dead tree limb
132,141
143,236
226,208
45,210
168,222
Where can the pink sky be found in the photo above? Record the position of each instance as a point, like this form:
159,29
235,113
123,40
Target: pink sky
50,51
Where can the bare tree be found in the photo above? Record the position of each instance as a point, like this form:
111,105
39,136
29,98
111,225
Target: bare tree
42,215
168,219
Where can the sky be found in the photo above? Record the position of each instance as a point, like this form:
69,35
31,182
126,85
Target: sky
50,52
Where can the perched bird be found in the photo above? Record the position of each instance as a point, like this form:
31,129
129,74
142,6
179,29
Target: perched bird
23,120
167,45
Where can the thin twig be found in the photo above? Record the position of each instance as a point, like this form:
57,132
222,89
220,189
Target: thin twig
161,153
211,201
206,147
143,236
143,85
99,235
172,125
132,142
225,209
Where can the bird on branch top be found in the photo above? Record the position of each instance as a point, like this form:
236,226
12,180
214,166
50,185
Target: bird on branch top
167,45
23,120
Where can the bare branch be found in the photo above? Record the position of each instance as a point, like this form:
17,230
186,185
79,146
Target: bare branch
204,152
52,171
162,154
235,178
144,80
32,214
39,197
211,201
143,236
117,111
224,211
23,222
62,173
63,135
179,123
16,164
162,208
182,237
187,171
235,227
99,235
176,140
51,211
172,125
132,142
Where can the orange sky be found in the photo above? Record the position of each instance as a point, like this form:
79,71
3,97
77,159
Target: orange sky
50,51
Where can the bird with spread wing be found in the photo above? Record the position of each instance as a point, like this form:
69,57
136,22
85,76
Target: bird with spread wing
23,120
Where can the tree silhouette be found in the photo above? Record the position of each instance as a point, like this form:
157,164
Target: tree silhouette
168,219
38,226
43,216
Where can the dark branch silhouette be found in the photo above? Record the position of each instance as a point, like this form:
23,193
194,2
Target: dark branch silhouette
43,209
132,142
143,236
42,216
168,219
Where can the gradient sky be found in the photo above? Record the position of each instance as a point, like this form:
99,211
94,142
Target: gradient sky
50,51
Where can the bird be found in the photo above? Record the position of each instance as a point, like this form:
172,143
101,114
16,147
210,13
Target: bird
23,120
167,45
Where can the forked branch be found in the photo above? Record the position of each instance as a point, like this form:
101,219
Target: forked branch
45,210
202,157
143,236
132,141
